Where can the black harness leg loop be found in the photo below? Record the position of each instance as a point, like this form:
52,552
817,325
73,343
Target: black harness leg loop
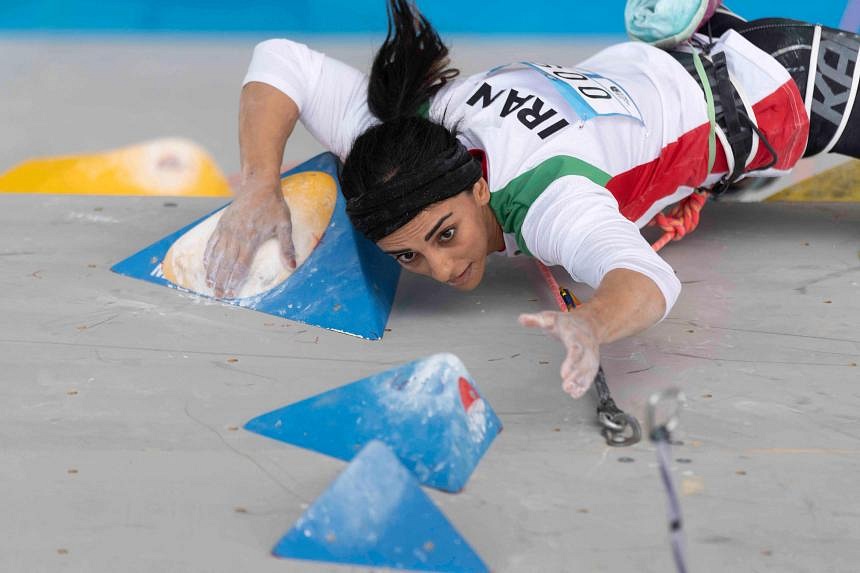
735,132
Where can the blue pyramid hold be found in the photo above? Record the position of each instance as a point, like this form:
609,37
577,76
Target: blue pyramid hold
375,514
347,284
429,412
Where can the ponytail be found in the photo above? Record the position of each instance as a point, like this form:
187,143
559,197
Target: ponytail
398,167
410,66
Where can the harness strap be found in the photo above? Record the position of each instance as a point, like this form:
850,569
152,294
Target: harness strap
813,70
736,135
712,116
730,122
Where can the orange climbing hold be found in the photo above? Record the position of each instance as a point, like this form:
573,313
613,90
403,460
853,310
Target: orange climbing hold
171,167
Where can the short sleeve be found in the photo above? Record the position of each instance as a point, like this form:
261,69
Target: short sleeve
331,96
576,223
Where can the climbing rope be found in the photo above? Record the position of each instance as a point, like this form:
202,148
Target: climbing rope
680,220
660,427
618,428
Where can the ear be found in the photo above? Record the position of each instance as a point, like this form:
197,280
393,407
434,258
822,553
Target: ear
481,192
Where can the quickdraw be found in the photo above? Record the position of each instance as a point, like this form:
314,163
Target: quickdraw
619,428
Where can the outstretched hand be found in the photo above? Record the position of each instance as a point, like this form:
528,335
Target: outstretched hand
576,332
255,216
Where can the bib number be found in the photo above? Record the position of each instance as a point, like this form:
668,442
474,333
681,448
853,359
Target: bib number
589,94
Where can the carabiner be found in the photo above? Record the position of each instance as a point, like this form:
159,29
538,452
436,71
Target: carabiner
675,398
620,429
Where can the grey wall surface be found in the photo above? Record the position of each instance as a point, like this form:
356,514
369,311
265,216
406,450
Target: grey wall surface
121,402
66,95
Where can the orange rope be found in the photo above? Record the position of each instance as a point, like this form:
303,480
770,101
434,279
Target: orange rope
681,219
555,288
552,283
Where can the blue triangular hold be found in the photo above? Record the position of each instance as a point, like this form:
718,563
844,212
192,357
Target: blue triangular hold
375,514
428,411
347,284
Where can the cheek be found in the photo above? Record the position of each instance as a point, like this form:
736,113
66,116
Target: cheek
421,268
474,242
478,248
480,266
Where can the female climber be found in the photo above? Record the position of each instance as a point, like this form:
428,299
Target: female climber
563,163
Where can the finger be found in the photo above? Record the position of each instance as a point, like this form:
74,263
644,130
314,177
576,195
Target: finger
581,368
545,319
239,271
288,251
574,389
571,361
211,257
224,270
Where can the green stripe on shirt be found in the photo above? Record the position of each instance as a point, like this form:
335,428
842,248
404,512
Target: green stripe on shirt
511,203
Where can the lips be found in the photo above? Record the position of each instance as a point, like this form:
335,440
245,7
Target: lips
462,278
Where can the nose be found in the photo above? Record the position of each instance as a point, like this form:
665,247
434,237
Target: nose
441,267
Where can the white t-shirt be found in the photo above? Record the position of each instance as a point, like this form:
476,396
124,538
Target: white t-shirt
575,158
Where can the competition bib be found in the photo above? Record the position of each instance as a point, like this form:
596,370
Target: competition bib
589,94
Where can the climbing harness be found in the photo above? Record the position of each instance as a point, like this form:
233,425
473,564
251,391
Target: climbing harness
730,122
662,418
619,428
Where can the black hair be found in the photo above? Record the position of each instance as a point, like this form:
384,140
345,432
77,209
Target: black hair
409,67
406,162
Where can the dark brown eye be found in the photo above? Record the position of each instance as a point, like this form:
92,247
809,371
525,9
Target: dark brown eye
406,258
447,234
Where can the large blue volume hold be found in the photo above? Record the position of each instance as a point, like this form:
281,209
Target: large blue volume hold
428,412
347,284
375,514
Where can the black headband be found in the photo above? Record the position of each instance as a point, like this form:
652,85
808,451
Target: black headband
379,211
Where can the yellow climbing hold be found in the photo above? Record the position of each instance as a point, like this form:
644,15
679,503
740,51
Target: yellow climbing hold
170,167
838,184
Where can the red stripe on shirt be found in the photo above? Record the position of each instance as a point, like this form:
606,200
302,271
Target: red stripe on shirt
780,116
783,120
683,162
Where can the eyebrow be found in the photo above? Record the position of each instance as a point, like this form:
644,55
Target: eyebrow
436,226
426,237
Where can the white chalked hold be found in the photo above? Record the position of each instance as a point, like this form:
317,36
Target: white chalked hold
311,198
